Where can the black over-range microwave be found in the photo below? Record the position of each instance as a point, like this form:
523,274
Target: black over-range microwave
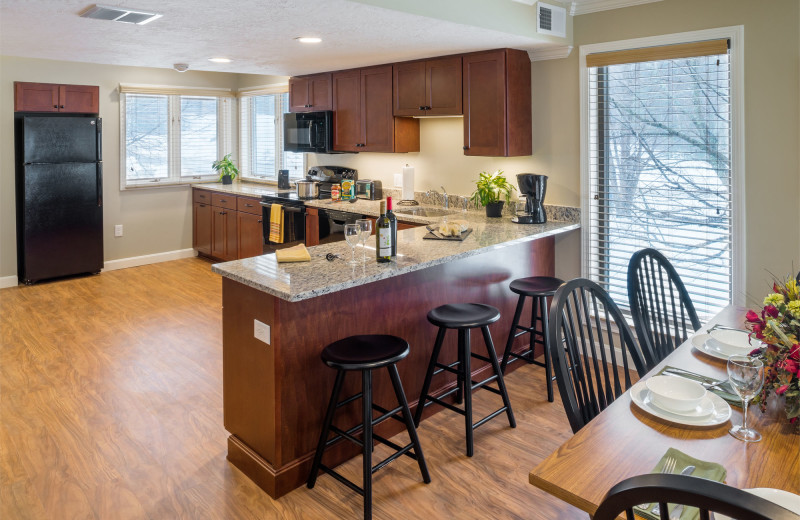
308,132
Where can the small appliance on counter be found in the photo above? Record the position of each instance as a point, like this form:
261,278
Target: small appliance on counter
369,190
283,179
327,176
533,188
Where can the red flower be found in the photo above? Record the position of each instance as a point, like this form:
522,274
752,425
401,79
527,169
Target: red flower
794,352
781,389
791,365
793,420
754,352
752,317
772,311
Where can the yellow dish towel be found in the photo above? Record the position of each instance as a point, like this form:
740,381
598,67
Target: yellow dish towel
276,224
297,253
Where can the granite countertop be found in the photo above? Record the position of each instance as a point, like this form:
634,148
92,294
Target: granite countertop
300,281
238,188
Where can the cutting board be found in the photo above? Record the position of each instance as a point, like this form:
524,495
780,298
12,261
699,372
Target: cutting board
464,234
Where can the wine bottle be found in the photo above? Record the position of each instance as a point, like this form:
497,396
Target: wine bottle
393,224
383,236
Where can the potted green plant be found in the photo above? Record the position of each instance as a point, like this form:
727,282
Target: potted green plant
489,189
226,169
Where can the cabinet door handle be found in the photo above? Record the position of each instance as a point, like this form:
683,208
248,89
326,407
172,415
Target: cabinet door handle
223,201
422,108
55,106
62,106
248,205
466,148
427,108
222,213
260,221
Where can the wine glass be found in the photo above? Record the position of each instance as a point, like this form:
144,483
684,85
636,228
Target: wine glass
365,230
352,235
746,376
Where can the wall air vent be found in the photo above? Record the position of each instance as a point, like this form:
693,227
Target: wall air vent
551,19
120,14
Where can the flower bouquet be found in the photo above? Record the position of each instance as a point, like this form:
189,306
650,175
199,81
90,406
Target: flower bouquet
778,326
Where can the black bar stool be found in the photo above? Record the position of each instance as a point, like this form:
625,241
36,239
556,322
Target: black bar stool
463,317
366,353
539,288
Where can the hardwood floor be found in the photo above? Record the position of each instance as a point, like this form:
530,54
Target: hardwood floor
111,408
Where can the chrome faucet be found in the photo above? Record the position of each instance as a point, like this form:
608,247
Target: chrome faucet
446,205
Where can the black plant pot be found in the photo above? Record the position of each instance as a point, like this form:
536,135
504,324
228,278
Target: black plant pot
495,209
227,179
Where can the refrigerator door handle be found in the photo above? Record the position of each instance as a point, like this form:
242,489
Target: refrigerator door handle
100,184
99,139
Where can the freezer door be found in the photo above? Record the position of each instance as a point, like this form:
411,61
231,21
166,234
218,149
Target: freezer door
62,221
61,139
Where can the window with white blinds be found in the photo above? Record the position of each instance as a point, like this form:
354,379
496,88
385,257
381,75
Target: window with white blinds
261,137
659,164
172,136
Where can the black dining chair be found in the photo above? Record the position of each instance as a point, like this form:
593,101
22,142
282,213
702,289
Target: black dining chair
591,347
662,311
706,495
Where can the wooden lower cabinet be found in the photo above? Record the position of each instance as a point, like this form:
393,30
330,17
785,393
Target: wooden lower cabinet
250,230
223,234
226,227
201,239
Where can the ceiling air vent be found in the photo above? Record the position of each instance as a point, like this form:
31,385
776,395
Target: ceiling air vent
551,19
120,14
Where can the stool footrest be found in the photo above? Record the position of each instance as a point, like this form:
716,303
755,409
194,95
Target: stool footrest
349,400
341,434
387,414
394,446
482,358
446,368
476,385
447,405
489,417
343,480
399,453
526,330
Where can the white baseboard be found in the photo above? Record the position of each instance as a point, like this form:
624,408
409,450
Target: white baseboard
8,281
134,261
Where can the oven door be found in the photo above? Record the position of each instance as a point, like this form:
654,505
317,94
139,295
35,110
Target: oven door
294,225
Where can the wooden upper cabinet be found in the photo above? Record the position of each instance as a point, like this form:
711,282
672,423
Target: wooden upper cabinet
50,97
362,114
347,111
310,93
497,103
428,88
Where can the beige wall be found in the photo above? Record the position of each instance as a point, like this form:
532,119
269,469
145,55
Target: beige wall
154,220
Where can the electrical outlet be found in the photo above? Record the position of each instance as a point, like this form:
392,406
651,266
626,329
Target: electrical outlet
261,331
118,230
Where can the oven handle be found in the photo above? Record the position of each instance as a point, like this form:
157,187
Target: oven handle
290,209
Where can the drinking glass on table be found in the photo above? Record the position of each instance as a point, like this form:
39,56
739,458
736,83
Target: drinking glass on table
365,230
746,376
352,234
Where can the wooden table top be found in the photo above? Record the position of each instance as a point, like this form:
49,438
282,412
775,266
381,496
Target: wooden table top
623,441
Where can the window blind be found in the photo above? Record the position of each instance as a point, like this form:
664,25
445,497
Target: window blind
261,136
146,124
660,171
199,146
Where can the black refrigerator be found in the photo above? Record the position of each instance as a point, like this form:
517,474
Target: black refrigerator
59,185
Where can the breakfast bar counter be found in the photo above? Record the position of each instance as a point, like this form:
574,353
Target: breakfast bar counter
277,318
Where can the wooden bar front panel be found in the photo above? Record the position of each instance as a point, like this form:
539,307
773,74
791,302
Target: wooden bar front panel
275,395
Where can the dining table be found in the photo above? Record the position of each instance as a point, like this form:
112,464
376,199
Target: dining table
624,441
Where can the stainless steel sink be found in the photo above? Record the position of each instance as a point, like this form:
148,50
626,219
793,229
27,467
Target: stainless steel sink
424,212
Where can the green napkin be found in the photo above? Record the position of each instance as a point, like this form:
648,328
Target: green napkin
725,390
703,469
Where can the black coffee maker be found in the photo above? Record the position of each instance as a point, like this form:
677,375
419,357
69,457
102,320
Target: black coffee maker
533,188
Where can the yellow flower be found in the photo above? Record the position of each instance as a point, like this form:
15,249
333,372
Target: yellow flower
794,308
773,299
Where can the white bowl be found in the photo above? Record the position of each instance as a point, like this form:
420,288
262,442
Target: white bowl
675,393
734,340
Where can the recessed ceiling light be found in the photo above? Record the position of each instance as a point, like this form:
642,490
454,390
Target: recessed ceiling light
308,39
220,60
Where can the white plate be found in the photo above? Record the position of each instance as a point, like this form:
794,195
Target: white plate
783,498
704,409
700,342
720,413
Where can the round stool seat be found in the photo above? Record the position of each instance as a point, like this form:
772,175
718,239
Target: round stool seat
365,352
536,285
463,315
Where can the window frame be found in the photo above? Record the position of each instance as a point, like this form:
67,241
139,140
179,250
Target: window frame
738,238
263,90
226,111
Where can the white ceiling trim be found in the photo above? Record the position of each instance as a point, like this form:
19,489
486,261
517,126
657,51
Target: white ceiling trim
550,53
593,6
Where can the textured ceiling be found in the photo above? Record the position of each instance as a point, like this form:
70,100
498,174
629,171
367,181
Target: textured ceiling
257,34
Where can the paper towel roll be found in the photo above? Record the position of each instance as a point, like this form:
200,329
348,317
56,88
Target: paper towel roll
408,183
